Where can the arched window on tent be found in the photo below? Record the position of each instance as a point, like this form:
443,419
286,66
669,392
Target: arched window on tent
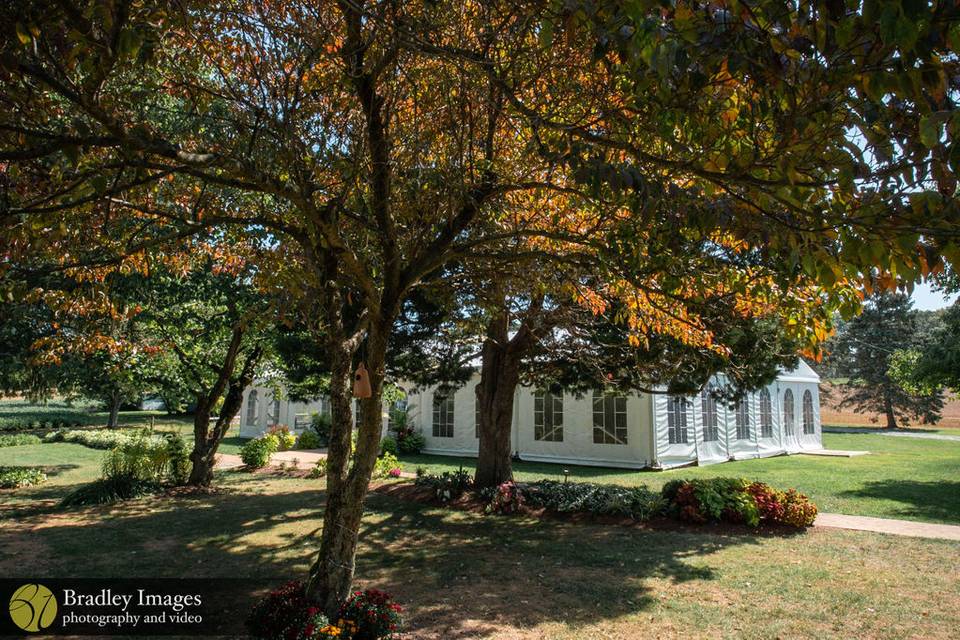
548,416
443,413
808,426
708,406
788,415
743,419
252,408
766,414
609,418
676,419
273,415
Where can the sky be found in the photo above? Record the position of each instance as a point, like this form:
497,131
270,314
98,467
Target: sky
925,299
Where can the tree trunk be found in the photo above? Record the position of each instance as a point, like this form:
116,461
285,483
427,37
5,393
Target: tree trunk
201,470
332,572
499,377
891,416
115,400
207,441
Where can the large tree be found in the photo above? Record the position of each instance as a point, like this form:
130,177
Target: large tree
377,142
863,351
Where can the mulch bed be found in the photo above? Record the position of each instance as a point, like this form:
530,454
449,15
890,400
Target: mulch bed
410,492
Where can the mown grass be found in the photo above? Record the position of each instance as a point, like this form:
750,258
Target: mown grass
905,478
463,575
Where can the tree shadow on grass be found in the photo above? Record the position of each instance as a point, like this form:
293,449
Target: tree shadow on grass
460,575
938,500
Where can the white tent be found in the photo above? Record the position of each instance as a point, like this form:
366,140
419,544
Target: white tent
629,431
782,418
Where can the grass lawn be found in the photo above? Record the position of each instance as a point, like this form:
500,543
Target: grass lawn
464,575
905,478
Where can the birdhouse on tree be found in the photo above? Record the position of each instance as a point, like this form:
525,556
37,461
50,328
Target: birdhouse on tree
361,383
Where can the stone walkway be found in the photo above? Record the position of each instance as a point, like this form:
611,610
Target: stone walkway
896,434
886,525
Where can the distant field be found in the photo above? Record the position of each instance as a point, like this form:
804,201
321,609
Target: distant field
831,395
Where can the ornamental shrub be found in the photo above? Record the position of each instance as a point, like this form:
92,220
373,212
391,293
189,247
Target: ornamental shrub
100,438
19,439
373,615
385,464
256,453
16,477
309,440
638,503
410,442
448,485
389,445
507,499
285,439
140,458
798,511
179,459
739,501
107,490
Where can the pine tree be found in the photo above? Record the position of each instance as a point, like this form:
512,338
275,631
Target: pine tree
862,351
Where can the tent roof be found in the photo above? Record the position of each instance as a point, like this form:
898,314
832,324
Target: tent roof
801,373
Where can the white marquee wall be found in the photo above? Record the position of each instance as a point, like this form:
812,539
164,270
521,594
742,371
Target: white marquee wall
648,441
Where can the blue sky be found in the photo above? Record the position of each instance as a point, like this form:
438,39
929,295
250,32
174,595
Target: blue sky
926,299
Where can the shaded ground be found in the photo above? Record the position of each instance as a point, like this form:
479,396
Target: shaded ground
464,575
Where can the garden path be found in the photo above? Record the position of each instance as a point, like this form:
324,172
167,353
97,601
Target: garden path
888,525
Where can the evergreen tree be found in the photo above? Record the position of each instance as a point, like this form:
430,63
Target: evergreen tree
863,351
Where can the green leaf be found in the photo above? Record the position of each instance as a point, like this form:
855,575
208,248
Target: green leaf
546,34
929,131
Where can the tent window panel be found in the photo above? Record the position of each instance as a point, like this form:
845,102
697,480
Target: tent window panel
609,418
548,417
443,414
743,420
808,427
766,415
273,415
476,412
677,420
788,415
708,405
252,407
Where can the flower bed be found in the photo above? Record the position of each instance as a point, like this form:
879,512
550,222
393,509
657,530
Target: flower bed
16,477
729,500
287,614
100,438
